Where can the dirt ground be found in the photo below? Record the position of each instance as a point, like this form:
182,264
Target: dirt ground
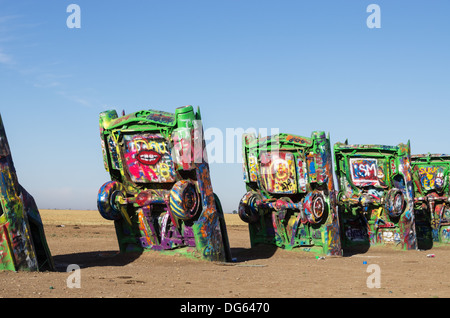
86,239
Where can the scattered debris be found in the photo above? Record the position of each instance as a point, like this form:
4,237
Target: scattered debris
239,265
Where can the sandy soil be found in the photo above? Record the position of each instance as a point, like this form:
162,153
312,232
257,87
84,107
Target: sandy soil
86,239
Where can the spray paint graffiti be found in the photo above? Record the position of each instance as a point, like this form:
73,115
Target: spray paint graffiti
290,199
431,198
23,245
160,195
364,172
148,159
375,198
278,172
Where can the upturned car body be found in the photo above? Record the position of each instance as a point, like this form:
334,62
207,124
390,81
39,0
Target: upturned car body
160,196
23,245
290,199
375,198
430,174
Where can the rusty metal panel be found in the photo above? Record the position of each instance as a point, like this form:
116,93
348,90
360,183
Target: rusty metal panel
290,199
23,245
160,196
375,198
431,198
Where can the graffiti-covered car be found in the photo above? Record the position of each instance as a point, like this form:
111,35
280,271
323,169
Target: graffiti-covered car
290,199
375,198
23,245
160,195
430,173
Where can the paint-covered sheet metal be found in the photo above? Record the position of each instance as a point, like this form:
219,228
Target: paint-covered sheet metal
375,198
290,199
430,174
160,195
23,244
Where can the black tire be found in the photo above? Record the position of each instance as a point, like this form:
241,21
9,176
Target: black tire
248,211
395,202
106,200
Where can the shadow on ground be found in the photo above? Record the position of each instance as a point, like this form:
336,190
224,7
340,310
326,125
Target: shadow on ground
358,249
94,259
114,258
260,251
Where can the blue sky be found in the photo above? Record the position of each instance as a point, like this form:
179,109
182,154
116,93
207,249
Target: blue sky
294,65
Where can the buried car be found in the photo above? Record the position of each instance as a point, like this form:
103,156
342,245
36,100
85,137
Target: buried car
375,198
23,245
290,192
160,195
430,174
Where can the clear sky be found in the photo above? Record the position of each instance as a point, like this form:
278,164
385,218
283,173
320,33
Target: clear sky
294,65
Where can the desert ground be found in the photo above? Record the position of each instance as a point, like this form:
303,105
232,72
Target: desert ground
86,239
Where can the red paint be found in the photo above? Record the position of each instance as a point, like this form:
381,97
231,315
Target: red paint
148,157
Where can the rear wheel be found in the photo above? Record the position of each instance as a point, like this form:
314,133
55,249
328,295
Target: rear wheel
108,199
248,211
314,207
184,200
395,202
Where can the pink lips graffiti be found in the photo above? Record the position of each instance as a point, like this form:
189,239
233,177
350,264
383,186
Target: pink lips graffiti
148,157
